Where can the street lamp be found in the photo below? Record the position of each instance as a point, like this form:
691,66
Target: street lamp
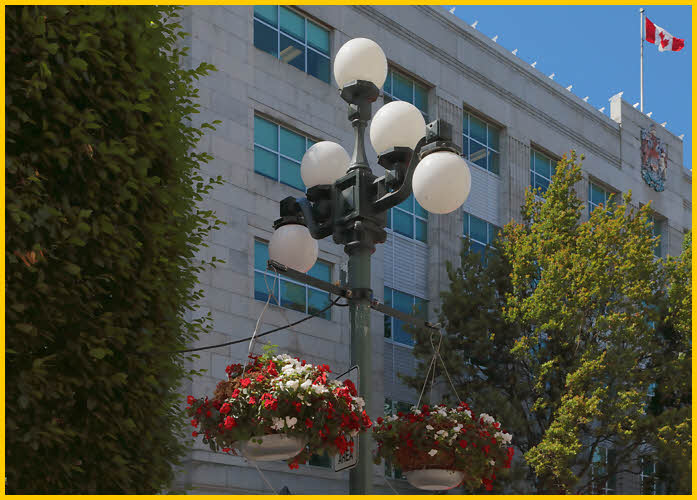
347,201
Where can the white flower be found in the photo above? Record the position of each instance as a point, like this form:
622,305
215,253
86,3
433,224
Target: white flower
442,412
319,389
487,418
457,428
306,384
292,384
429,427
491,462
504,437
415,411
442,432
432,452
291,421
392,418
469,413
359,401
277,423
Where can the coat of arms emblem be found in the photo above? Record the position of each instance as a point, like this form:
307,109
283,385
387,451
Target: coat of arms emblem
654,159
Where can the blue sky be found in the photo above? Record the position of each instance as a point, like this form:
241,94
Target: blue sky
596,49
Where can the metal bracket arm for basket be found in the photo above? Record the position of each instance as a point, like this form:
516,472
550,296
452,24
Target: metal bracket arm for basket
345,292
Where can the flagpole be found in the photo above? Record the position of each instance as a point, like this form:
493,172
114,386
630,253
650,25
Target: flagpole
641,65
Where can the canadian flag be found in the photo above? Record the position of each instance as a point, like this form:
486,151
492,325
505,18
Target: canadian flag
665,41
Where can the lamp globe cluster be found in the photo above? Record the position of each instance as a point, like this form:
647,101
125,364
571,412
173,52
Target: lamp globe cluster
441,180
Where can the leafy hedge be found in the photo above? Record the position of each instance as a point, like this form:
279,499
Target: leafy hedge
102,230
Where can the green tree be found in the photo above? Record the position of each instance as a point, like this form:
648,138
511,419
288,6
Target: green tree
557,334
102,229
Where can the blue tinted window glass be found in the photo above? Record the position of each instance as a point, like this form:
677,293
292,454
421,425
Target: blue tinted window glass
477,247
262,284
419,210
597,195
265,38
400,334
292,296
261,255
493,162
421,98
292,23
478,229
316,301
292,52
292,144
266,133
421,230
290,174
387,87
265,162
493,135
477,129
543,165
477,154
318,37
408,204
321,271
318,66
403,223
402,88
542,183
268,13
465,124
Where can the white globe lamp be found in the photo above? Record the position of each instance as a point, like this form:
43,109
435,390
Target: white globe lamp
324,163
292,245
360,59
441,182
397,123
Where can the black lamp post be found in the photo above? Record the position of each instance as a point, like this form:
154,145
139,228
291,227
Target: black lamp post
353,210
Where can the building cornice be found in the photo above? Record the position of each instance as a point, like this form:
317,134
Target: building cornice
437,53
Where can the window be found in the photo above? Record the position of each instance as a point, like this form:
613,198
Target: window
657,226
602,470
409,219
278,152
480,232
293,295
399,87
480,142
394,328
292,38
541,170
650,484
391,408
597,195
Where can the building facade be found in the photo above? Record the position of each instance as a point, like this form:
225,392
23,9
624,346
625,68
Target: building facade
275,96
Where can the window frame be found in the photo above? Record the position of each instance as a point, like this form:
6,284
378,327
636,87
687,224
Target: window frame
608,192
414,82
387,317
277,301
496,230
466,137
552,166
414,219
657,230
610,477
309,142
304,43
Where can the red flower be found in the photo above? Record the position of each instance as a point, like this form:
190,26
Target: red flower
511,451
486,449
235,393
191,400
463,443
308,423
298,406
245,382
194,423
352,388
380,420
208,413
293,465
194,433
252,400
226,450
230,422
496,425
260,377
225,409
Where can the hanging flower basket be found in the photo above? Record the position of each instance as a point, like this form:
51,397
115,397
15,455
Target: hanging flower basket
279,408
440,448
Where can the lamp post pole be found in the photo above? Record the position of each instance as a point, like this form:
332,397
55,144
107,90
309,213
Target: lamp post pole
351,203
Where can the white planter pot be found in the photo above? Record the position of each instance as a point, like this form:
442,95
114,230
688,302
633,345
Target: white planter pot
272,447
435,479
